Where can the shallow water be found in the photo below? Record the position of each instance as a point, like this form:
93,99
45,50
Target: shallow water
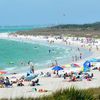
15,55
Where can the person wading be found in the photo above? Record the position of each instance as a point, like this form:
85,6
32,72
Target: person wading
31,66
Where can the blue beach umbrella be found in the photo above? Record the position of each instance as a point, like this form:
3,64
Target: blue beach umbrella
57,68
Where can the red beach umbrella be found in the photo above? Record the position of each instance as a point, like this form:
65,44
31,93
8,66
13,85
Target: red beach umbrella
3,72
75,65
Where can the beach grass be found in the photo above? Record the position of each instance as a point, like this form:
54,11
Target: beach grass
69,94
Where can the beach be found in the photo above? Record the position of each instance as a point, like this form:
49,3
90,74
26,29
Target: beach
50,83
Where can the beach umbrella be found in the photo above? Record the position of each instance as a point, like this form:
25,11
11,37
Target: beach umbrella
93,60
98,60
75,65
57,68
66,66
3,72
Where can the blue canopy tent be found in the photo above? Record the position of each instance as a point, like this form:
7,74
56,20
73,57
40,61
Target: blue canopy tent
93,60
57,68
87,66
98,60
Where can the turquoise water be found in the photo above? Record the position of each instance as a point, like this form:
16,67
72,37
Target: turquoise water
15,55
4,29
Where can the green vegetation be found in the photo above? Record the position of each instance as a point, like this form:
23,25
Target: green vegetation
70,94
94,26
85,30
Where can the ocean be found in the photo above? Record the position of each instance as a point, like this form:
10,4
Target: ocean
5,29
14,55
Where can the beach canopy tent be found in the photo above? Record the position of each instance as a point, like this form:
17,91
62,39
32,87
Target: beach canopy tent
94,60
87,66
57,68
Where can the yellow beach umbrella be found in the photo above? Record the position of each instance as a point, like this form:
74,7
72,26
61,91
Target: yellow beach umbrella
66,66
81,68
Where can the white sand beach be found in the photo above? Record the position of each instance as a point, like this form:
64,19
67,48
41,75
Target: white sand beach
50,83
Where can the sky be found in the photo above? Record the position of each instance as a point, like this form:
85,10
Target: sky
49,12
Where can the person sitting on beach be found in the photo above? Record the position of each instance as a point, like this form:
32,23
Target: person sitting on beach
20,83
42,90
7,82
74,78
99,68
1,82
41,73
48,74
32,83
64,76
95,68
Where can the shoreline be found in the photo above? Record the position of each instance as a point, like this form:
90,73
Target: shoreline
52,84
32,39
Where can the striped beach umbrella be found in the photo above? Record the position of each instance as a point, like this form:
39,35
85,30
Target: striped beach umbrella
3,72
75,65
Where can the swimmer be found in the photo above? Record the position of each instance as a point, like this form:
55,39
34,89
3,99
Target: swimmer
49,50
78,49
35,47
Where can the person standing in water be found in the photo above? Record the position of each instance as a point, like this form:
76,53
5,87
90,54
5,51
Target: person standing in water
80,55
56,63
31,66
49,51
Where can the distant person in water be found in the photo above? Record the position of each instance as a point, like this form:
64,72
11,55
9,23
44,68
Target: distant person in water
78,49
52,65
49,51
80,55
72,58
31,66
75,58
56,63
